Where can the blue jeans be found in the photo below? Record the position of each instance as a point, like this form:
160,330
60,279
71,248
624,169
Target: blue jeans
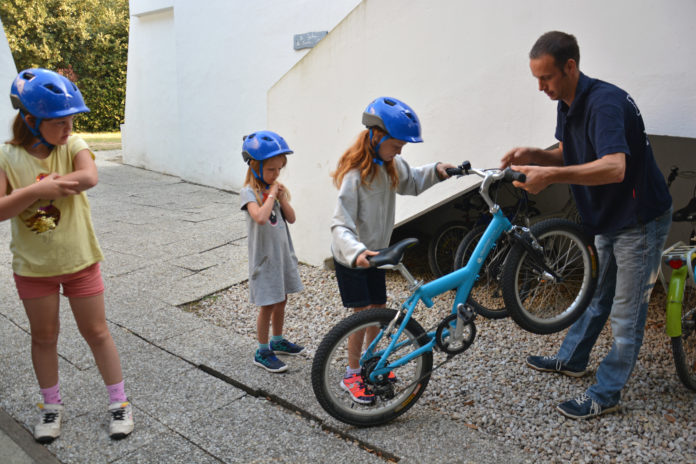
629,260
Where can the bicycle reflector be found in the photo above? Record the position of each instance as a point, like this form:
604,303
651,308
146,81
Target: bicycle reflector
675,263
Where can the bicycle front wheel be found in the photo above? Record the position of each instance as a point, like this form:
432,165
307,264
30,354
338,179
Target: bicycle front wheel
486,296
539,302
684,346
394,395
443,246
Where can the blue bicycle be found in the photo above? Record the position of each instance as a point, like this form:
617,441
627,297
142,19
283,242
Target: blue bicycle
548,279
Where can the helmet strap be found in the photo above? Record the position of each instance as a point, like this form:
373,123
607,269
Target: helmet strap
259,175
35,131
378,159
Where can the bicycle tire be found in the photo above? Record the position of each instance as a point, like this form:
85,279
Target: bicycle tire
684,346
534,301
443,246
486,295
330,361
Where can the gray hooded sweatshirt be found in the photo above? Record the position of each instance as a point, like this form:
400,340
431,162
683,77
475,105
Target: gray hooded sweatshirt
364,215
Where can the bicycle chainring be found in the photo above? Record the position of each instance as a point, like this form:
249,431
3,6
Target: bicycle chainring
444,337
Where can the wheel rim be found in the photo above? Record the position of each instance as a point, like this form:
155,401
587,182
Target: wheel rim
543,300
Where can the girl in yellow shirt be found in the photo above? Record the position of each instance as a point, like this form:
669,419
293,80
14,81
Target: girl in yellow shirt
44,172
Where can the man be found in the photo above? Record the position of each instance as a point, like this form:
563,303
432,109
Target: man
622,197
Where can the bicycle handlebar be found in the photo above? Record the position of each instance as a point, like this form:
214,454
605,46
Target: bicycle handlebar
507,175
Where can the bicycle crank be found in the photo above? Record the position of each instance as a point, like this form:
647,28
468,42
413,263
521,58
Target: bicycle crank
455,334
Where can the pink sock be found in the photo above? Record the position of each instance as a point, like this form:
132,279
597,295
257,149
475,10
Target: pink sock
52,395
116,393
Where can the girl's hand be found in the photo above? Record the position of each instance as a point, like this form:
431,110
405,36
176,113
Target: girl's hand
273,190
281,192
442,170
362,260
51,187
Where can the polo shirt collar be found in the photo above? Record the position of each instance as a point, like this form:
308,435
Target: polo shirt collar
581,91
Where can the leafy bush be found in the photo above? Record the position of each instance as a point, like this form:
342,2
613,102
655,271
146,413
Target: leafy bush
85,40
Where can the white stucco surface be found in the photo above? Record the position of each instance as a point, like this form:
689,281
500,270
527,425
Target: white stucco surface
198,73
8,72
463,66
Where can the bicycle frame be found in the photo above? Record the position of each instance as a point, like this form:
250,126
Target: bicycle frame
462,280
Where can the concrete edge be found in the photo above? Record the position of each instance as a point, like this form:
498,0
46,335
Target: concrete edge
25,440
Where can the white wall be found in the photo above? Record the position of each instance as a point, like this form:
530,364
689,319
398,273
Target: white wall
198,73
463,66
8,72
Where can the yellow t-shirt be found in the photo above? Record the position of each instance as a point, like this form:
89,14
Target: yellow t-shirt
51,237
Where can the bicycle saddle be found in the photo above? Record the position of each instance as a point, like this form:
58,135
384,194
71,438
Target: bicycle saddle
687,213
392,255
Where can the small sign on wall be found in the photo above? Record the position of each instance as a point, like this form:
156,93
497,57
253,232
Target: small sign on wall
308,39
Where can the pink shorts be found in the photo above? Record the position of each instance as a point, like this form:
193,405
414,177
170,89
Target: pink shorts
87,282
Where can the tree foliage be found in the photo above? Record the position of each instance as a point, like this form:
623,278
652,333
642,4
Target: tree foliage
85,40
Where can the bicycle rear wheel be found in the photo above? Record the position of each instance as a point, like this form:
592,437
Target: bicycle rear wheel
393,397
535,300
485,297
443,246
684,346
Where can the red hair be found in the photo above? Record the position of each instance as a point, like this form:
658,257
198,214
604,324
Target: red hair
359,156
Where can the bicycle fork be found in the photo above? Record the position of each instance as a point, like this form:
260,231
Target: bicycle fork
523,236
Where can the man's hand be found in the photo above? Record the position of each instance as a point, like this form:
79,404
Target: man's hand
517,156
537,178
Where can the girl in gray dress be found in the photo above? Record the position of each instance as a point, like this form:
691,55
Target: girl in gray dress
272,261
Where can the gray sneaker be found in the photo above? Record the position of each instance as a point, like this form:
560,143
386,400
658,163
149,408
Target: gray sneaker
121,422
48,427
552,364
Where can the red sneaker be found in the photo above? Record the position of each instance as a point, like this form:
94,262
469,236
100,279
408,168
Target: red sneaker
355,386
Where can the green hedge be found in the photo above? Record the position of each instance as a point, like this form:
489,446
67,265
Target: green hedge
85,40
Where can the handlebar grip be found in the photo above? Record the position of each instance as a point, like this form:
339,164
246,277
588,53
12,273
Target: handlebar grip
511,175
454,172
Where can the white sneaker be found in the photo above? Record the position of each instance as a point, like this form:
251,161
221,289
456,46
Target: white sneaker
121,420
48,428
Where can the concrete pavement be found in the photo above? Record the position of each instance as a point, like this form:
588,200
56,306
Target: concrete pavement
196,395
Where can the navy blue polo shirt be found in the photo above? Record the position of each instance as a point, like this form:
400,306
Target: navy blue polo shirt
601,120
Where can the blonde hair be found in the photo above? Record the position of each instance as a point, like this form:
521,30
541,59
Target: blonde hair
359,156
256,184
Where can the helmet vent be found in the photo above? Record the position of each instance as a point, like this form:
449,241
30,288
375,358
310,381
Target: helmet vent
267,138
410,116
53,88
389,102
28,76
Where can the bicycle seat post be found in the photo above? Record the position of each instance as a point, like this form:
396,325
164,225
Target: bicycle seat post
413,283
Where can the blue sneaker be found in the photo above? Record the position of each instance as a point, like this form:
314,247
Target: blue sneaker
584,407
267,359
552,364
285,347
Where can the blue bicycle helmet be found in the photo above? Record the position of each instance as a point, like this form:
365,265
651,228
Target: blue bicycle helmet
45,94
262,145
394,117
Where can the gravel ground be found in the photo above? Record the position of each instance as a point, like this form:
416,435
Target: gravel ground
488,388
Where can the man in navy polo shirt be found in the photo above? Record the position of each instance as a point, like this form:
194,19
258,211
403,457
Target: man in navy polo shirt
605,155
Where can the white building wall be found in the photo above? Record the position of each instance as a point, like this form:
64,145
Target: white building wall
198,73
8,72
463,66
